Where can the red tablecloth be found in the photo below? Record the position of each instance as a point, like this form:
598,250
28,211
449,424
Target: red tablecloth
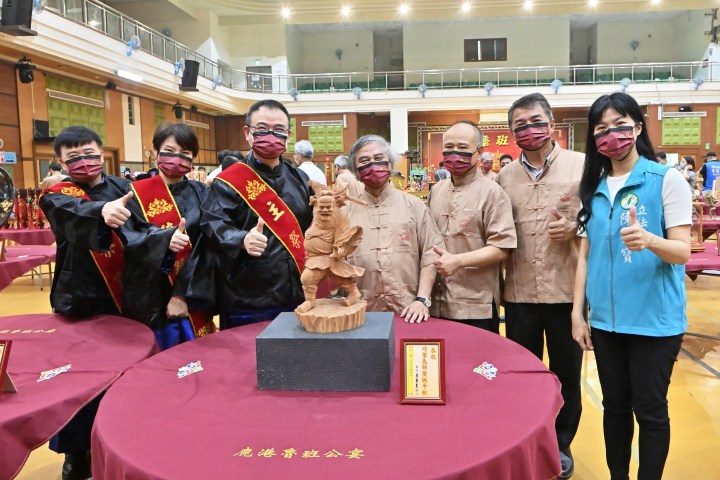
154,425
709,227
98,349
707,260
24,236
22,259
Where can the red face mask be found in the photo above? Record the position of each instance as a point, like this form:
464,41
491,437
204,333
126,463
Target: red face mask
84,168
457,163
614,143
533,136
374,174
174,165
269,145
487,166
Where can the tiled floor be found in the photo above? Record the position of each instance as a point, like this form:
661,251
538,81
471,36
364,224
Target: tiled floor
694,394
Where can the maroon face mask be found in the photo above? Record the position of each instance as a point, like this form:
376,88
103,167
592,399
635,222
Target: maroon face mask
174,164
374,174
614,143
84,168
457,163
269,145
533,136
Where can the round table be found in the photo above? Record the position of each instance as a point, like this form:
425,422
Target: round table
27,236
216,424
98,349
22,259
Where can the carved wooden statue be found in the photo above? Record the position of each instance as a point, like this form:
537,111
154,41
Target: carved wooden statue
328,241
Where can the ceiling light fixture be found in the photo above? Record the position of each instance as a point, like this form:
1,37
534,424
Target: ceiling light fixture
286,12
466,7
528,5
592,3
129,75
404,9
345,11
656,2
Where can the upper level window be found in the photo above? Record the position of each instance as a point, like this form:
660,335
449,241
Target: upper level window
486,50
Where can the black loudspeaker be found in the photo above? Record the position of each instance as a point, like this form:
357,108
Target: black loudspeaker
190,76
686,108
17,17
41,130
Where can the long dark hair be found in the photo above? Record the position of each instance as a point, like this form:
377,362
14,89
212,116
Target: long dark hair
597,165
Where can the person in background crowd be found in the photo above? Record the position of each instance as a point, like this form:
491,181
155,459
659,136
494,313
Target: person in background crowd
92,225
153,297
487,160
710,171
636,216
303,157
128,174
345,178
235,155
687,168
661,158
543,189
474,216
53,177
441,173
260,257
505,161
398,236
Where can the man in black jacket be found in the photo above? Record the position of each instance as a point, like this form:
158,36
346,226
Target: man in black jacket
259,268
93,228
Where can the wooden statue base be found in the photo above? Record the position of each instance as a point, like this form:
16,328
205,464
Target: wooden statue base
331,316
697,247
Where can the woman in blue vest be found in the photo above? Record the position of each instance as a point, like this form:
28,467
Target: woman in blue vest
636,216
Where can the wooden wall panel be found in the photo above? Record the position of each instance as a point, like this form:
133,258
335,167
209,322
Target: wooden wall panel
10,132
114,122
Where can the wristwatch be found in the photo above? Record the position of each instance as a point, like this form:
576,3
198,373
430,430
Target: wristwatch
425,301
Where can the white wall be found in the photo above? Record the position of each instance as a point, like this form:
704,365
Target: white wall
132,134
680,39
529,43
319,51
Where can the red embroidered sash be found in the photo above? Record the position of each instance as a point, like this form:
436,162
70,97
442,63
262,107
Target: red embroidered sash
159,208
111,263
268,205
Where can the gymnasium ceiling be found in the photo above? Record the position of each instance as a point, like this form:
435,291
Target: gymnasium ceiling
244,12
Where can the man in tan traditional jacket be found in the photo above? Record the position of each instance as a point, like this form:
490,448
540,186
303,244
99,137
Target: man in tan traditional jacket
475,220
398,236
543,186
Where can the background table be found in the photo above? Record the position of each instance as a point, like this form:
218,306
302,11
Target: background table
99,350
700,261
22,259
152,424
24,236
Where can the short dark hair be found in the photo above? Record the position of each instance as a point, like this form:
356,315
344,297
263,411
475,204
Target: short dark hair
662,155
529,101
55,166
75,136
442,164
504,156
181,132
478,132
689,160
711,154
222,154
269,104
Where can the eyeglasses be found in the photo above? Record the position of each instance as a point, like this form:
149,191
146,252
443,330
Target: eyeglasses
264,130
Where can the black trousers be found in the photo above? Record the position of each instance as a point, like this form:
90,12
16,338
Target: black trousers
529,324
75,436
634,372
491,324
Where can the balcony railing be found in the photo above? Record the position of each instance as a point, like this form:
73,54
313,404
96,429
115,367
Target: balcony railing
119,26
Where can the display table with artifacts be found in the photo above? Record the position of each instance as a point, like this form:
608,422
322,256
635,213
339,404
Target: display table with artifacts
202,416
57,366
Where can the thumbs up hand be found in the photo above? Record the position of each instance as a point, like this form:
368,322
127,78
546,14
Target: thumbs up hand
560,228
446,264
115,213
255,241
179,240
634,236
